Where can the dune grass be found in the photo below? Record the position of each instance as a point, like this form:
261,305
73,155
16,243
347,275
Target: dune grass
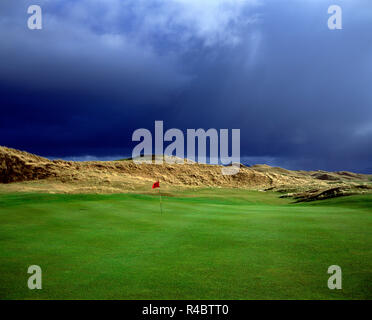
208,244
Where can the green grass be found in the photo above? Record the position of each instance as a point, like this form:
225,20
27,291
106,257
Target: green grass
208,244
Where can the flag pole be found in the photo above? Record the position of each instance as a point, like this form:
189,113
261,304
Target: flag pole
154,186
161,205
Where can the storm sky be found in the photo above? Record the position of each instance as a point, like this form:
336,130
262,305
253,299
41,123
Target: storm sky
301,94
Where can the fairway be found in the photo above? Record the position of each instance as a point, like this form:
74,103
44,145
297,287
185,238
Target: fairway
207,244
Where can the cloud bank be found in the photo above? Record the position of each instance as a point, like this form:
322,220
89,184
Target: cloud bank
98,70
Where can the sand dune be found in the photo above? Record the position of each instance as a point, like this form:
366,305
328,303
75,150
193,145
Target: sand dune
22,171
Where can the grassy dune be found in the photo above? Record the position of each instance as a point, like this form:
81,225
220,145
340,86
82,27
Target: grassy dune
208,244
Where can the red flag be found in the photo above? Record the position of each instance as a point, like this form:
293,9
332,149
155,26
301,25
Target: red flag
156,185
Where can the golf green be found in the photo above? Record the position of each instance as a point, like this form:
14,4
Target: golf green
207,244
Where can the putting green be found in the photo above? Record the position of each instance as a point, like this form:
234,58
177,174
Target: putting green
208,244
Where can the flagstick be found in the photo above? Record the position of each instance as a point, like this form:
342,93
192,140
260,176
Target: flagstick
161,206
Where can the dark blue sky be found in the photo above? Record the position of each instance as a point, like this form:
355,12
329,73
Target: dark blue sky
99,69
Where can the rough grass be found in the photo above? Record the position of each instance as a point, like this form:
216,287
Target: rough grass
208,244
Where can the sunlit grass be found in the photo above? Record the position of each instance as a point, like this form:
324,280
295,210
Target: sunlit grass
207,244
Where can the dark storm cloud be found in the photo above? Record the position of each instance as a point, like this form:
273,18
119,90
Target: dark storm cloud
98,70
